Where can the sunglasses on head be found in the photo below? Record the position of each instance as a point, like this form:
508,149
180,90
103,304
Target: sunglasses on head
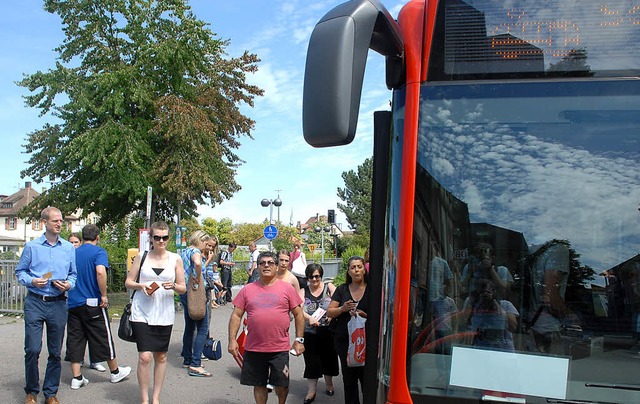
163,238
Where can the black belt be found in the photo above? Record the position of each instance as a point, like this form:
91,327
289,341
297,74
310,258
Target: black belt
61,296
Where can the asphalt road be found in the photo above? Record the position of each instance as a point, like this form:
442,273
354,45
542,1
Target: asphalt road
179,387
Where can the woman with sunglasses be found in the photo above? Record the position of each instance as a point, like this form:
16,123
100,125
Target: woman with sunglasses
152,309
320,357
348,299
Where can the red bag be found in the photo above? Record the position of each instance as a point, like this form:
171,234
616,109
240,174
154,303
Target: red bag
240,340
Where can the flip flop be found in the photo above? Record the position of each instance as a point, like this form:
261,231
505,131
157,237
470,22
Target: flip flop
197,373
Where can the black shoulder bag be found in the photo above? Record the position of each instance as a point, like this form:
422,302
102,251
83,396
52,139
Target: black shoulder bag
125,330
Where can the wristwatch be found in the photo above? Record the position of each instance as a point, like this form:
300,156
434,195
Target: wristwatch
300,340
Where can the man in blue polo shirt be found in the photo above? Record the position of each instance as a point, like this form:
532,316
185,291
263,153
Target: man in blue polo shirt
47,268
88,320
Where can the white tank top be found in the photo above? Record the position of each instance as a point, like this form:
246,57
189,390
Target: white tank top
157,309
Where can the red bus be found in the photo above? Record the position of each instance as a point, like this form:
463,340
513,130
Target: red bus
505,227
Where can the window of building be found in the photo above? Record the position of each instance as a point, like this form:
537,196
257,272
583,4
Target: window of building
10,223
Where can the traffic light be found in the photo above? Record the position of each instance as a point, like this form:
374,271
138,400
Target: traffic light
331,216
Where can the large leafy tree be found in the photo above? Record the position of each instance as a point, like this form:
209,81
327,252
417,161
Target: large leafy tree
356,195
244,233
143,95
220,228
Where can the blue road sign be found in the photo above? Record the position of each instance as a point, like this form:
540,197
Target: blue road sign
270,232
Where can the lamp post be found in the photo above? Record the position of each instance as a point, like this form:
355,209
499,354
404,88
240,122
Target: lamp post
322,230
270,203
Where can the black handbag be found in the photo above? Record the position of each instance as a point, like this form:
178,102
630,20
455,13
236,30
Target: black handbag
125,330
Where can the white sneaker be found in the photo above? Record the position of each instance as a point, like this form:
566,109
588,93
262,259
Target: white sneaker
76,384
97,366
123,371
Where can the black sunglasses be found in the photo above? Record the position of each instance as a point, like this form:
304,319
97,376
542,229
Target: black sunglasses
163,238
315,277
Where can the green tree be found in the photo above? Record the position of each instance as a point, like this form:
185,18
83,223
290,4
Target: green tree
220,228
144,96
357,196
244,233
286,237
360,241
191,224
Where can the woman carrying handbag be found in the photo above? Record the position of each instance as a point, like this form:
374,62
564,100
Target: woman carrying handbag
195,306
153,310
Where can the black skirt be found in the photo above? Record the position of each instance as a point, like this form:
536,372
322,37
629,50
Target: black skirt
152,338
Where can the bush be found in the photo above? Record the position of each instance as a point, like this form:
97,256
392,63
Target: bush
239,276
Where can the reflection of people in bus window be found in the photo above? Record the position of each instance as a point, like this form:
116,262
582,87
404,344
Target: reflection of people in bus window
634,298
491,318
440,275
443,313
481,266
549,273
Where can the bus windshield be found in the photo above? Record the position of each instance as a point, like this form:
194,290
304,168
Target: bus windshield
527,225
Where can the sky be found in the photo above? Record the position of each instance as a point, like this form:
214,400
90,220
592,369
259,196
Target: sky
278,162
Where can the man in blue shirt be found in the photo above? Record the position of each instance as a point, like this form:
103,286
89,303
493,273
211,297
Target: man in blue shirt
47,268
88,319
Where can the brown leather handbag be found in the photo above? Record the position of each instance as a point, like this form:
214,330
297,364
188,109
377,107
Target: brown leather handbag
196,299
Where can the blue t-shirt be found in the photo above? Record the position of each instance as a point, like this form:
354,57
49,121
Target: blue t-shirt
88,257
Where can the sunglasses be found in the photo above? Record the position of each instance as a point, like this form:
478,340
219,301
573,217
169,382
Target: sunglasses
163,238
266,263
314,277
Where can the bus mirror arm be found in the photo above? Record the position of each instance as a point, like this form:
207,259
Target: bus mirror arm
335,65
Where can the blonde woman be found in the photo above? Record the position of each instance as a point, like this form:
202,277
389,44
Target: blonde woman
192,346
152,309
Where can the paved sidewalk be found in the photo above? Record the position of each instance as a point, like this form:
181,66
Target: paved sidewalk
224,387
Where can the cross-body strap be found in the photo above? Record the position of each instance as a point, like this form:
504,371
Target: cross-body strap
139,270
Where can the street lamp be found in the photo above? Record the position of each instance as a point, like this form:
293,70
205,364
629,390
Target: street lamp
322,230
270,203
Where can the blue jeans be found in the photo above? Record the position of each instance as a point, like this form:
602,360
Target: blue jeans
192,347
36,314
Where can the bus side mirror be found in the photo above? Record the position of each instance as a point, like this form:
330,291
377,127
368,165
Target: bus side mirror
334,71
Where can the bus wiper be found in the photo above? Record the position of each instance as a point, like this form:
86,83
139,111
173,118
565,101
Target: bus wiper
632,387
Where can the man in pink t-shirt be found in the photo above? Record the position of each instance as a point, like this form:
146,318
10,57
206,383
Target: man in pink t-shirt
267,303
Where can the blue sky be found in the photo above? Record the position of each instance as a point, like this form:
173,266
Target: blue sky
277,159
